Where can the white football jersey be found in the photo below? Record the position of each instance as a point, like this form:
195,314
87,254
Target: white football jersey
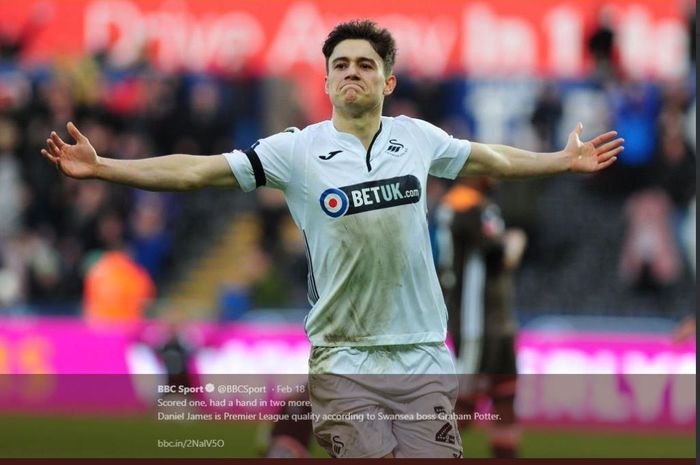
363,215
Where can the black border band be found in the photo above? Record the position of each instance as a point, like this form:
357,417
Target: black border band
258,171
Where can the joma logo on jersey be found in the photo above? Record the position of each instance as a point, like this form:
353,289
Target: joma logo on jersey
374,195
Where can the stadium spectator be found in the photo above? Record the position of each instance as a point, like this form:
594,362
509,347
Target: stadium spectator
674,164
150,240
159,115
635,106
547,116
690,8
657,214
689,236
206,119
689,126
11,201
9,289
601,46
117,291
650,259
479,256
378,307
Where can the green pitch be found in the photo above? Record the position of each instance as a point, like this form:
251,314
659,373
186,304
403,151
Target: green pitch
99,437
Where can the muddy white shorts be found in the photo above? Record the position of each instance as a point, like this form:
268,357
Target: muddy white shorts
369,402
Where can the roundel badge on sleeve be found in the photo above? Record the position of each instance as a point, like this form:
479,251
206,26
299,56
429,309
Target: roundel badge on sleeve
334,202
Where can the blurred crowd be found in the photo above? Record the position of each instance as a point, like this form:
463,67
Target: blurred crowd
53,229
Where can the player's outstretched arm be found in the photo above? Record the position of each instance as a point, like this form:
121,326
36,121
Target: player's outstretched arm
578,156
167,173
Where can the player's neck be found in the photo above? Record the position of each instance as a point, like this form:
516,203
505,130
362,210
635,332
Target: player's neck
363,127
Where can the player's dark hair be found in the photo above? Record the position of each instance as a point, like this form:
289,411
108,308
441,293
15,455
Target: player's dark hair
381,40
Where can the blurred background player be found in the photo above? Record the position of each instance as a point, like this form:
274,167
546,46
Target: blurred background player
477,258
175,352
289,438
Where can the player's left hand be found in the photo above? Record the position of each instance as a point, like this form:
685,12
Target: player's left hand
595,154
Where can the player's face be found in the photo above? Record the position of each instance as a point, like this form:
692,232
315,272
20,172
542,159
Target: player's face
356,80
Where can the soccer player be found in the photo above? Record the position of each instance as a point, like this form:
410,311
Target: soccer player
477,258
288,437
355,186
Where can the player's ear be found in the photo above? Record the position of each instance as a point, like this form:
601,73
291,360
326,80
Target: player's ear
325,84
390,84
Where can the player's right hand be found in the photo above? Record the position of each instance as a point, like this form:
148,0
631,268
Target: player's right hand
78,160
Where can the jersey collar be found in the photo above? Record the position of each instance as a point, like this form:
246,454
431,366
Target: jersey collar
351,142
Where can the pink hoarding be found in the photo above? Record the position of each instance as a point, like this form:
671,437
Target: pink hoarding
66,346
62,365
591,379
607,379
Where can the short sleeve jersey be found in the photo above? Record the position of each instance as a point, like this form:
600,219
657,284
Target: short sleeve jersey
363,215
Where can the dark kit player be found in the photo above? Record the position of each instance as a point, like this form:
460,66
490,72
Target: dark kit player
477,258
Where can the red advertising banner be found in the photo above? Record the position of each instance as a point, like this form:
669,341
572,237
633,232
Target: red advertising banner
283,37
